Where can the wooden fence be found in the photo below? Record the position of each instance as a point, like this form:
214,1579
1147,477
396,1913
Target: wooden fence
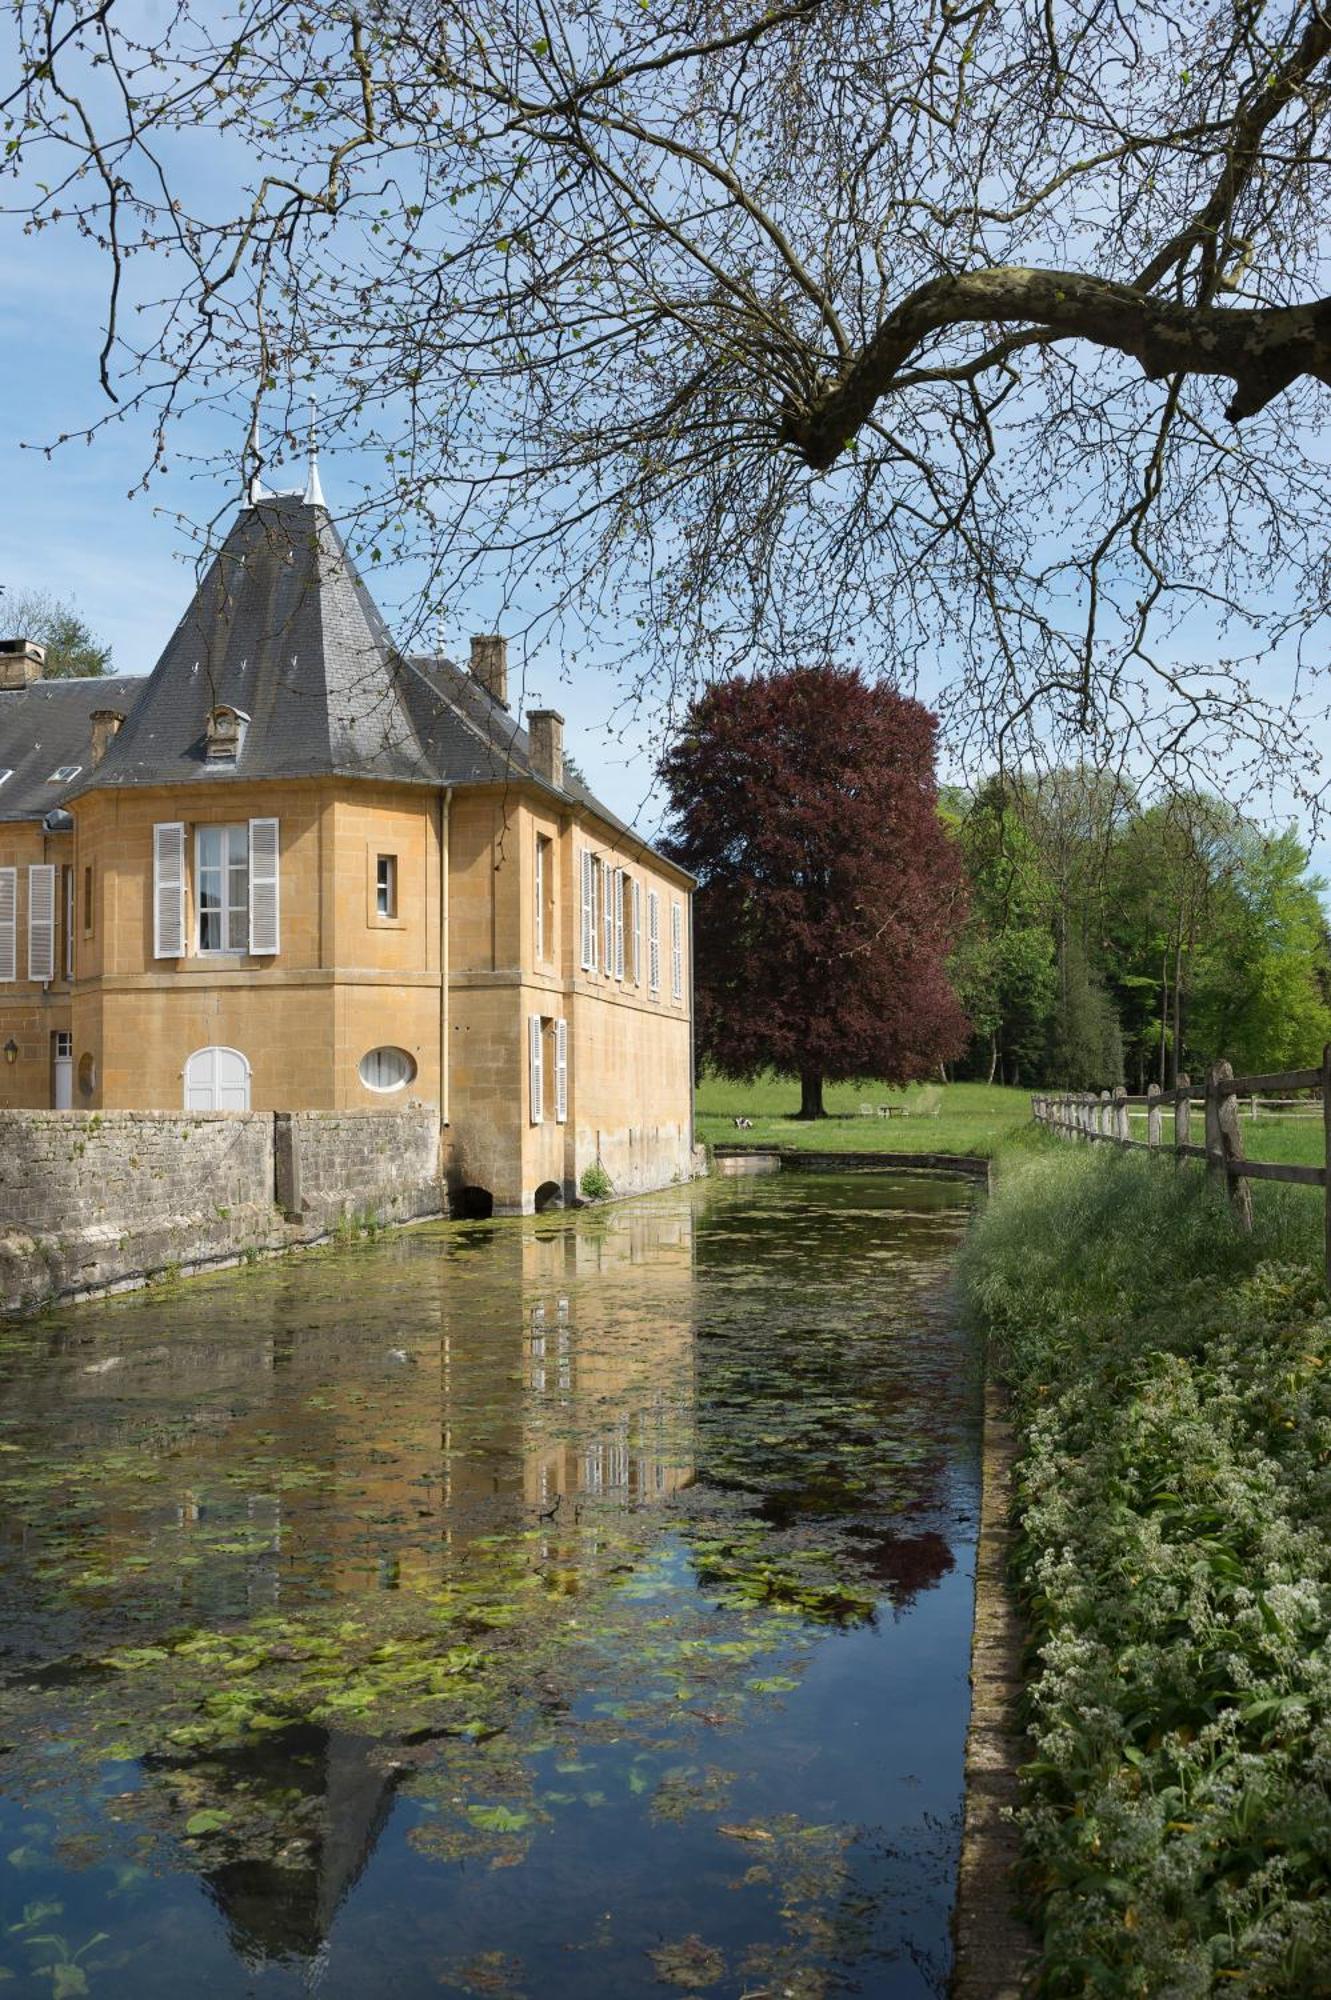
1081,1114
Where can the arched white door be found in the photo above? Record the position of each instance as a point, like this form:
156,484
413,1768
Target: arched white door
217,1080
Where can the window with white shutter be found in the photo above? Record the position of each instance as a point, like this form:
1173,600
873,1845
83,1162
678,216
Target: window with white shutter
538,895
265,924
607,879
561,1072
619,923
535,1077
8,923
169,889
677,951
653,942
41,922
637,933
587,956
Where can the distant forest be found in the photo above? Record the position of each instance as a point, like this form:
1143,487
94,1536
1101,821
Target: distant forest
1113,940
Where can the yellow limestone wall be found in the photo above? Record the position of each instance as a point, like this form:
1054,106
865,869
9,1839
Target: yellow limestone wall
345,980
630,1079
31,1014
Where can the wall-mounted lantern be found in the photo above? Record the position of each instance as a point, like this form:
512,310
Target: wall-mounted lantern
11,1050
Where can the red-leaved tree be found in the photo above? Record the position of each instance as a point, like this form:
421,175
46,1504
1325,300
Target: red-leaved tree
804,800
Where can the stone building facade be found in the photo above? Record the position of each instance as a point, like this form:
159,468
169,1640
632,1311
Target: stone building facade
292,869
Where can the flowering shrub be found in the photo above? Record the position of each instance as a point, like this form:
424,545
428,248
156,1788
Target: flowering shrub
1172,1381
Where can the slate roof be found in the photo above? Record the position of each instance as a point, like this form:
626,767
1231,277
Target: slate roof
282,628
47,726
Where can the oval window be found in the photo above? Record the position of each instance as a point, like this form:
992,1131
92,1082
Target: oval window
386,1069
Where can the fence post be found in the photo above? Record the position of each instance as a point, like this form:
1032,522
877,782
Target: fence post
1104,1116
1153,1115
1182,1116
1231,1145
1122,1123
1215,1159
1326,1149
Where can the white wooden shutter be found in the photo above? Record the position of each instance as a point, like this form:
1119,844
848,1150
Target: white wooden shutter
637,933
69,923
619,923
169,889
535,1079
561,1072
607,876
8,923
653,942
588,955
677,951
265,926
41,922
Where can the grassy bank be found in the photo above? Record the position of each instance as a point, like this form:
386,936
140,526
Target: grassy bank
928,1118
1172,1383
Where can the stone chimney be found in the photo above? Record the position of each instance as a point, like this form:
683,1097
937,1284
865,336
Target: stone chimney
489,666
105,728
545,730
21,662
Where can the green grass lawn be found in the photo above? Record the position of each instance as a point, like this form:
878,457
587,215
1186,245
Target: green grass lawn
940,1118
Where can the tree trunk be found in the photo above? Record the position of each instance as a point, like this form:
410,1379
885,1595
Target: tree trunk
993,1056
811,1095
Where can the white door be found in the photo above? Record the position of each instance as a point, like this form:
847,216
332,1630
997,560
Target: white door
217,1080
63,1094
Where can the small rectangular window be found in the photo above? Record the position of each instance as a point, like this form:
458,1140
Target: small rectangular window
385,885
6,773
63,773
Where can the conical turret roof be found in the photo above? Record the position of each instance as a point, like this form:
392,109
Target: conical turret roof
282,629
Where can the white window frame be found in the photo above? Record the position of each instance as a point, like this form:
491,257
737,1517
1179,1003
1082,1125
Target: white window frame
653,942
385,885
619,922
637,932
229,830
676,950
69,922
538,895
605,876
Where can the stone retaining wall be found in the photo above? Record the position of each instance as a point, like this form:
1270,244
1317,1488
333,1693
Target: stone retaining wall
94,1200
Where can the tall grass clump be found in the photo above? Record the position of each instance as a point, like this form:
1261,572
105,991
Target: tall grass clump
1172,1387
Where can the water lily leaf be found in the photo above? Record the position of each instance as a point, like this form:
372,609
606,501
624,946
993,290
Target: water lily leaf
207,1820
498,1819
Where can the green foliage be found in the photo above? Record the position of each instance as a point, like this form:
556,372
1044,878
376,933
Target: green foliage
1172,1382
72,653
1112,939
596,1183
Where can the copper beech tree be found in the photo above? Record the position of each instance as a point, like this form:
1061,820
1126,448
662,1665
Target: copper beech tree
993,337
828,892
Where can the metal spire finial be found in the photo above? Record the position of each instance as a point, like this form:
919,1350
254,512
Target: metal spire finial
314,493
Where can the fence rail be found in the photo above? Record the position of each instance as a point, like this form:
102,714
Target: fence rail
1106,1117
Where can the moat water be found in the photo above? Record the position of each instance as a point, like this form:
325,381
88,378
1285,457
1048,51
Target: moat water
573,1607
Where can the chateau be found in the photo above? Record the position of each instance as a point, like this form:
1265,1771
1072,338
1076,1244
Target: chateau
292,869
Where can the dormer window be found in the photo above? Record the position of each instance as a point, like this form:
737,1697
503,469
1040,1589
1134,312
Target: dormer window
226,733
63,773
6,774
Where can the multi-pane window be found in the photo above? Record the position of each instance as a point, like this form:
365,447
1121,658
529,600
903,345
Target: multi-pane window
222,887
653,942
677,951
385,885
544,898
